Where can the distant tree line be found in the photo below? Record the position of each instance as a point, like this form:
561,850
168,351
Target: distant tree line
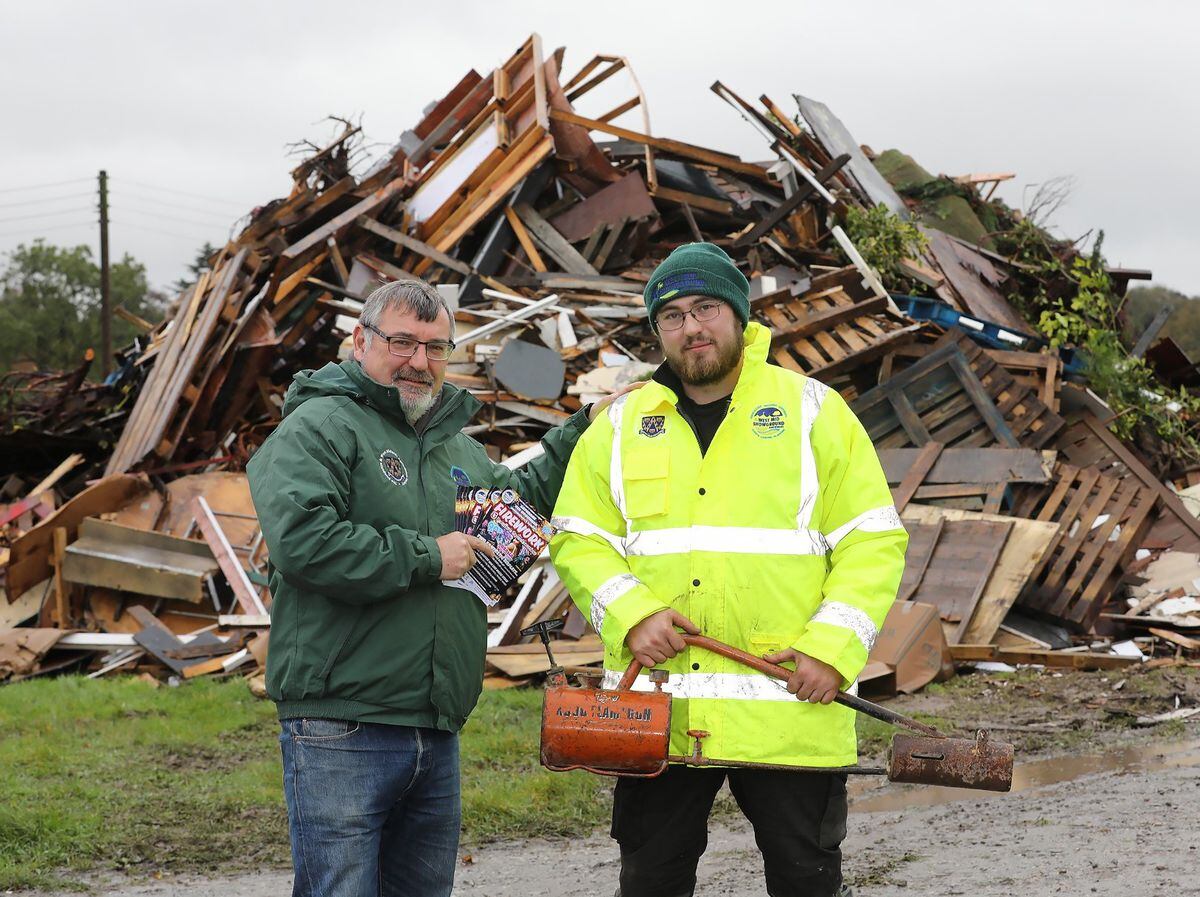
1143,303
50,305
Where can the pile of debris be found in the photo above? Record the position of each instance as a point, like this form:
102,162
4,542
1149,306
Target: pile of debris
540,225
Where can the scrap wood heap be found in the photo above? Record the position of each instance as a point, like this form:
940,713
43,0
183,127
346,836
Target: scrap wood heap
1032,525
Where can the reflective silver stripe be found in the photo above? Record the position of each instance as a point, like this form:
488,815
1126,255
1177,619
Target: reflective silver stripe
580,527
725,540
876,520
614,588
849,617
616,483
811,400
722,686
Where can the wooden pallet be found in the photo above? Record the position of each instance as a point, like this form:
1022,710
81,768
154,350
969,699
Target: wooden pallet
834,326
1022,404
1087,442
1082,567
948,564
938,399
941,379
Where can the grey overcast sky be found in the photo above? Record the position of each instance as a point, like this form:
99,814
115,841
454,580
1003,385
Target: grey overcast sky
203,98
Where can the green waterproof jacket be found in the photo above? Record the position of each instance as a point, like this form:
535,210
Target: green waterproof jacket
351,499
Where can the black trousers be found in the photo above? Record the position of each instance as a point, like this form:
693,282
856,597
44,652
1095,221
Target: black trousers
799,822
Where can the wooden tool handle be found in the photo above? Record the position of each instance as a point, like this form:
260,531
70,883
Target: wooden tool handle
783,673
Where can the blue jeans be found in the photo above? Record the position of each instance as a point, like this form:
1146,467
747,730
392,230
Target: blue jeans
373,809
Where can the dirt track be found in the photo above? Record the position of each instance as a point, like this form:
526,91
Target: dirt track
1119,834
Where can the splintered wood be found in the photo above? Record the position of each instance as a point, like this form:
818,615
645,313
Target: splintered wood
539,205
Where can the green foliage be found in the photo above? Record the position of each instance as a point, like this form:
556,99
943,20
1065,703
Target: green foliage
885,240
1071,298
50,304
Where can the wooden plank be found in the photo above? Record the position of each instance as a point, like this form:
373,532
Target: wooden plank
235,573
60,586
485,198
969,465
1075,660
961,563
352,214
1027,543
418,246
30,555
922,465
1078,660
526,241
553,242
803,194
813,322
674,147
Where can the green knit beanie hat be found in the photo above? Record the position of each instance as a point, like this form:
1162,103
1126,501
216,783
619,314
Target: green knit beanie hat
698,269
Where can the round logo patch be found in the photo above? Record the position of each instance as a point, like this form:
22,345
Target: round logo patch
768,421
393,467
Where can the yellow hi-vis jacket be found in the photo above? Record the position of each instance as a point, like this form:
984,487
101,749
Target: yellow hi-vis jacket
782,535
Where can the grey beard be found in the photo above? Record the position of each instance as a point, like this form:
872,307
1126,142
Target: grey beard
414,407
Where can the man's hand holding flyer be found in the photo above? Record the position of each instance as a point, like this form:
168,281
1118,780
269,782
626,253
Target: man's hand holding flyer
510,525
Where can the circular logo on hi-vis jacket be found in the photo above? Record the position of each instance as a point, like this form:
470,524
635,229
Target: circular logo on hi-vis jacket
393,467
768,421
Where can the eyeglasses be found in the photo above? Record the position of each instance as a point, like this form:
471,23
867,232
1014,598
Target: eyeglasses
701,311
406,346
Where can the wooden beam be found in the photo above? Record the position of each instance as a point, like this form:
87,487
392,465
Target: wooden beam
418,246
247,595
926,458
692,199
60,585
356,211
553,242
793,202
674,147
525,240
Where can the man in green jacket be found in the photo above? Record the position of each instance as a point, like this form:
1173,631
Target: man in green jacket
375,663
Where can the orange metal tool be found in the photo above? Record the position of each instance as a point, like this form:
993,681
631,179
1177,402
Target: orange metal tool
626,732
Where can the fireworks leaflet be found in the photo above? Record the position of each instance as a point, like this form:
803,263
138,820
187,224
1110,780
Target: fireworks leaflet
508,523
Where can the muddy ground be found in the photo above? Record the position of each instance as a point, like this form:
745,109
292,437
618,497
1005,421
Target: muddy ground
1103,807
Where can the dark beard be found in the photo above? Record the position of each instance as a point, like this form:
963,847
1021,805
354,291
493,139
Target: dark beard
701,372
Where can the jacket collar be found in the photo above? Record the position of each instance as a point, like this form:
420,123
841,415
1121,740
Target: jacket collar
665,387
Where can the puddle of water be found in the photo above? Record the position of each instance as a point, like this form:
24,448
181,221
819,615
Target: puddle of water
1026,776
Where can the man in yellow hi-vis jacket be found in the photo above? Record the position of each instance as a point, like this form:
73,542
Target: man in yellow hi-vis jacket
744,501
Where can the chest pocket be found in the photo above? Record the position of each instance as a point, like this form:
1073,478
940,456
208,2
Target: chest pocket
646,469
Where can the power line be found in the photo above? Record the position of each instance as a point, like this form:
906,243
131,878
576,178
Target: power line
230,202
46,214
155,230
38,202
208,224
23,233
41,186
172,204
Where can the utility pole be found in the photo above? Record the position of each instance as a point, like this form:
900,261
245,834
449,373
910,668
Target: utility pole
105,296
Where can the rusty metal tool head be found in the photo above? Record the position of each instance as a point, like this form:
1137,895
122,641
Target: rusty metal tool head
626,732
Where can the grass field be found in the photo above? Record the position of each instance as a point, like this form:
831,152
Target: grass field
117,774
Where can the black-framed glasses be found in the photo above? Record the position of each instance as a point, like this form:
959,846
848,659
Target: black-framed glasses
406,346
701,311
